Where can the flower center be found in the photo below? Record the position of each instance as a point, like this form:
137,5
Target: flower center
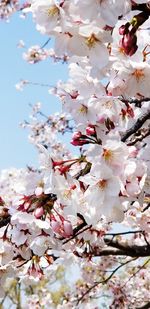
107,154
91,40
102,184
83,109
138,74
108,104
53,11
67,194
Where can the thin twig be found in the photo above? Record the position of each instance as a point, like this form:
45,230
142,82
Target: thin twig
78,233
123,233
45,43
103,281
133,275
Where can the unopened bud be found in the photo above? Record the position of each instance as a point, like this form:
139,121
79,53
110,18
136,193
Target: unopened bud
79,142
124,29
129,40
132,50
55,226
90,130
39,212
76,139
68,228
77,135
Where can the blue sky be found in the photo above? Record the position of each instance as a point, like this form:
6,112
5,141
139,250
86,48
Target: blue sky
16,151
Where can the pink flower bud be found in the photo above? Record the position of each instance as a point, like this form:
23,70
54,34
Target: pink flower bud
73,187
68,228
78,142
124,29
76,135
129,40
27,205
132,50
39,212
128,43
55,226
90,130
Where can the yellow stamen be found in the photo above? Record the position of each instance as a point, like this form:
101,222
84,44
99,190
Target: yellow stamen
107,154
53,11
108,104
83,109
138,74
91,41
67,194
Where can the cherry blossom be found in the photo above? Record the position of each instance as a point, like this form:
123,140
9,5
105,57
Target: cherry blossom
74,231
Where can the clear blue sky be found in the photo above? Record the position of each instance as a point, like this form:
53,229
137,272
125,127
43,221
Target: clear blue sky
16,151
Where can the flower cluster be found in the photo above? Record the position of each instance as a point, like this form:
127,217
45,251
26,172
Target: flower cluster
68,210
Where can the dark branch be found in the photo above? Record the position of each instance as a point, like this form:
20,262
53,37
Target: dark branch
4,221
133,251
123,233
142,251
136,126
146,306
146,207
140,137
135,101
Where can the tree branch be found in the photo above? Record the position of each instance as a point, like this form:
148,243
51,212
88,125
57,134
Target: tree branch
143,251
146,306
140,137
123,233
136,126
103,281
137,102
4,221
133,251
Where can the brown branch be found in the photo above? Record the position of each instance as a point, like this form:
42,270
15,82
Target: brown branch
133,251
4,221
146,207
123,233
146,306
135,101
140,137
143,251
136,126
116,248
